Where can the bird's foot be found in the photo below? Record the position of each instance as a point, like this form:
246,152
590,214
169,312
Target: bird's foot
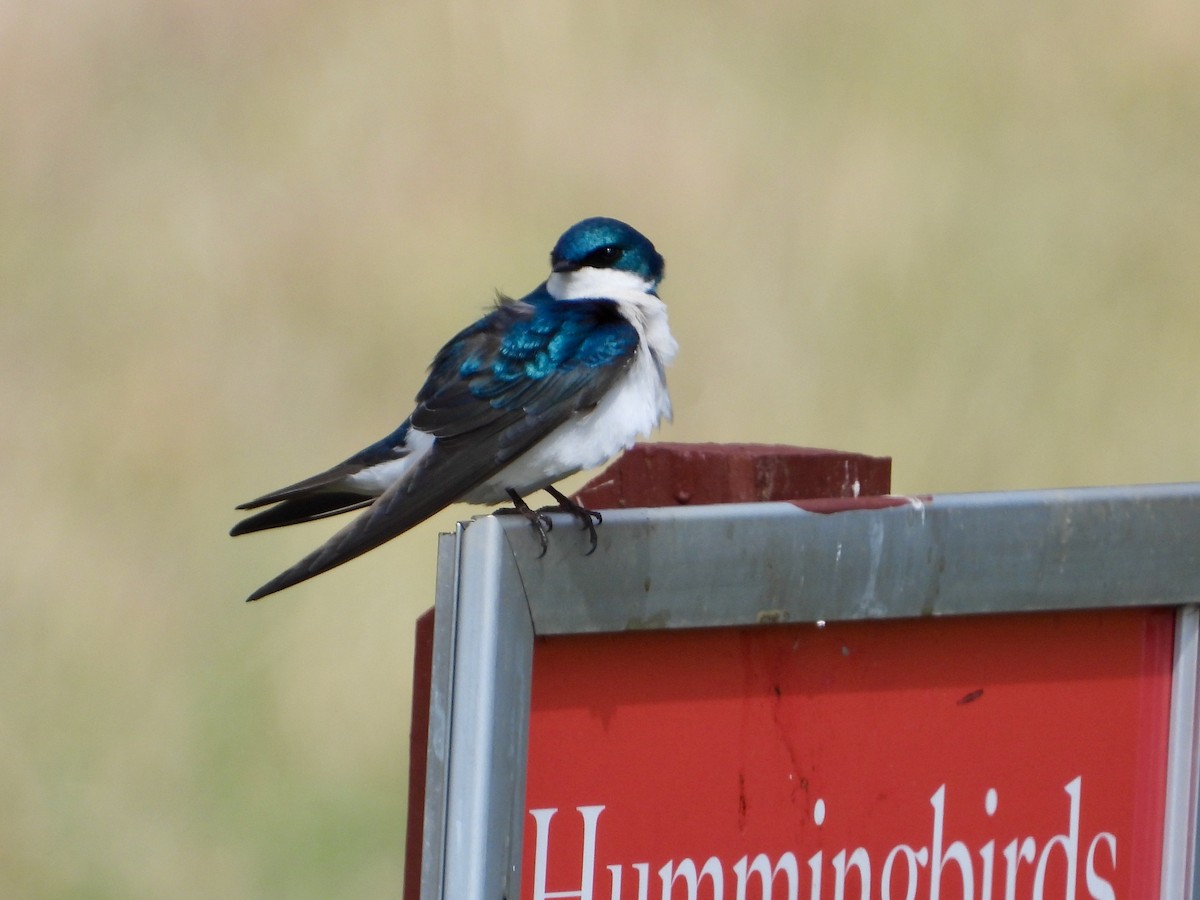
588,518
539,520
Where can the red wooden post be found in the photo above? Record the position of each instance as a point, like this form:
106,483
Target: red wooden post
651,475
418,754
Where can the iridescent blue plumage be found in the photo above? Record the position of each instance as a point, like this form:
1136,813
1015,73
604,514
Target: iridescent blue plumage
537,337
540,387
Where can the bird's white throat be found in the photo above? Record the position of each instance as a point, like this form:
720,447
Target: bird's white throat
589,284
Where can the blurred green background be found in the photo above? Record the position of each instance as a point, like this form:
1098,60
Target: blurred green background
233,234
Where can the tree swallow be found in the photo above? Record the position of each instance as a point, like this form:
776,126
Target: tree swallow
561,380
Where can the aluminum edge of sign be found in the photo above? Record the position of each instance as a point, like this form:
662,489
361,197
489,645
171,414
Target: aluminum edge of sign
1179,827
483,687
954,554
433,834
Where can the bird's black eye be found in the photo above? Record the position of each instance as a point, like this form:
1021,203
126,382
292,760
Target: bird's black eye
603,257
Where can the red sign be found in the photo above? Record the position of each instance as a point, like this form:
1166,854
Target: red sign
974,758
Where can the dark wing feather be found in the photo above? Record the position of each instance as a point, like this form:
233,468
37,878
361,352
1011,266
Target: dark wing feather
306,508
324,494
493,392
323,481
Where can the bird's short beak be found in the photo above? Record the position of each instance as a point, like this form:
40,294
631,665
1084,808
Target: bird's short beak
564,265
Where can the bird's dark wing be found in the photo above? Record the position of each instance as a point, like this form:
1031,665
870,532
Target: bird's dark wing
325,494
306,508
493,392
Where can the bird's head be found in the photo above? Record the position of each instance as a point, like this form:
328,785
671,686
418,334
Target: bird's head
596,246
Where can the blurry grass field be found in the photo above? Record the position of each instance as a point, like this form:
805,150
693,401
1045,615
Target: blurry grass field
233,234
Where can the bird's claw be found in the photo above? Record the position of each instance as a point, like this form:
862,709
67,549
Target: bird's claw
588,518
539,520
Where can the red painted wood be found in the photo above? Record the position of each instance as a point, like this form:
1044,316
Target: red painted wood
418,754
668,474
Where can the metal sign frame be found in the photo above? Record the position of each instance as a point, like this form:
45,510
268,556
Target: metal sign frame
760,563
